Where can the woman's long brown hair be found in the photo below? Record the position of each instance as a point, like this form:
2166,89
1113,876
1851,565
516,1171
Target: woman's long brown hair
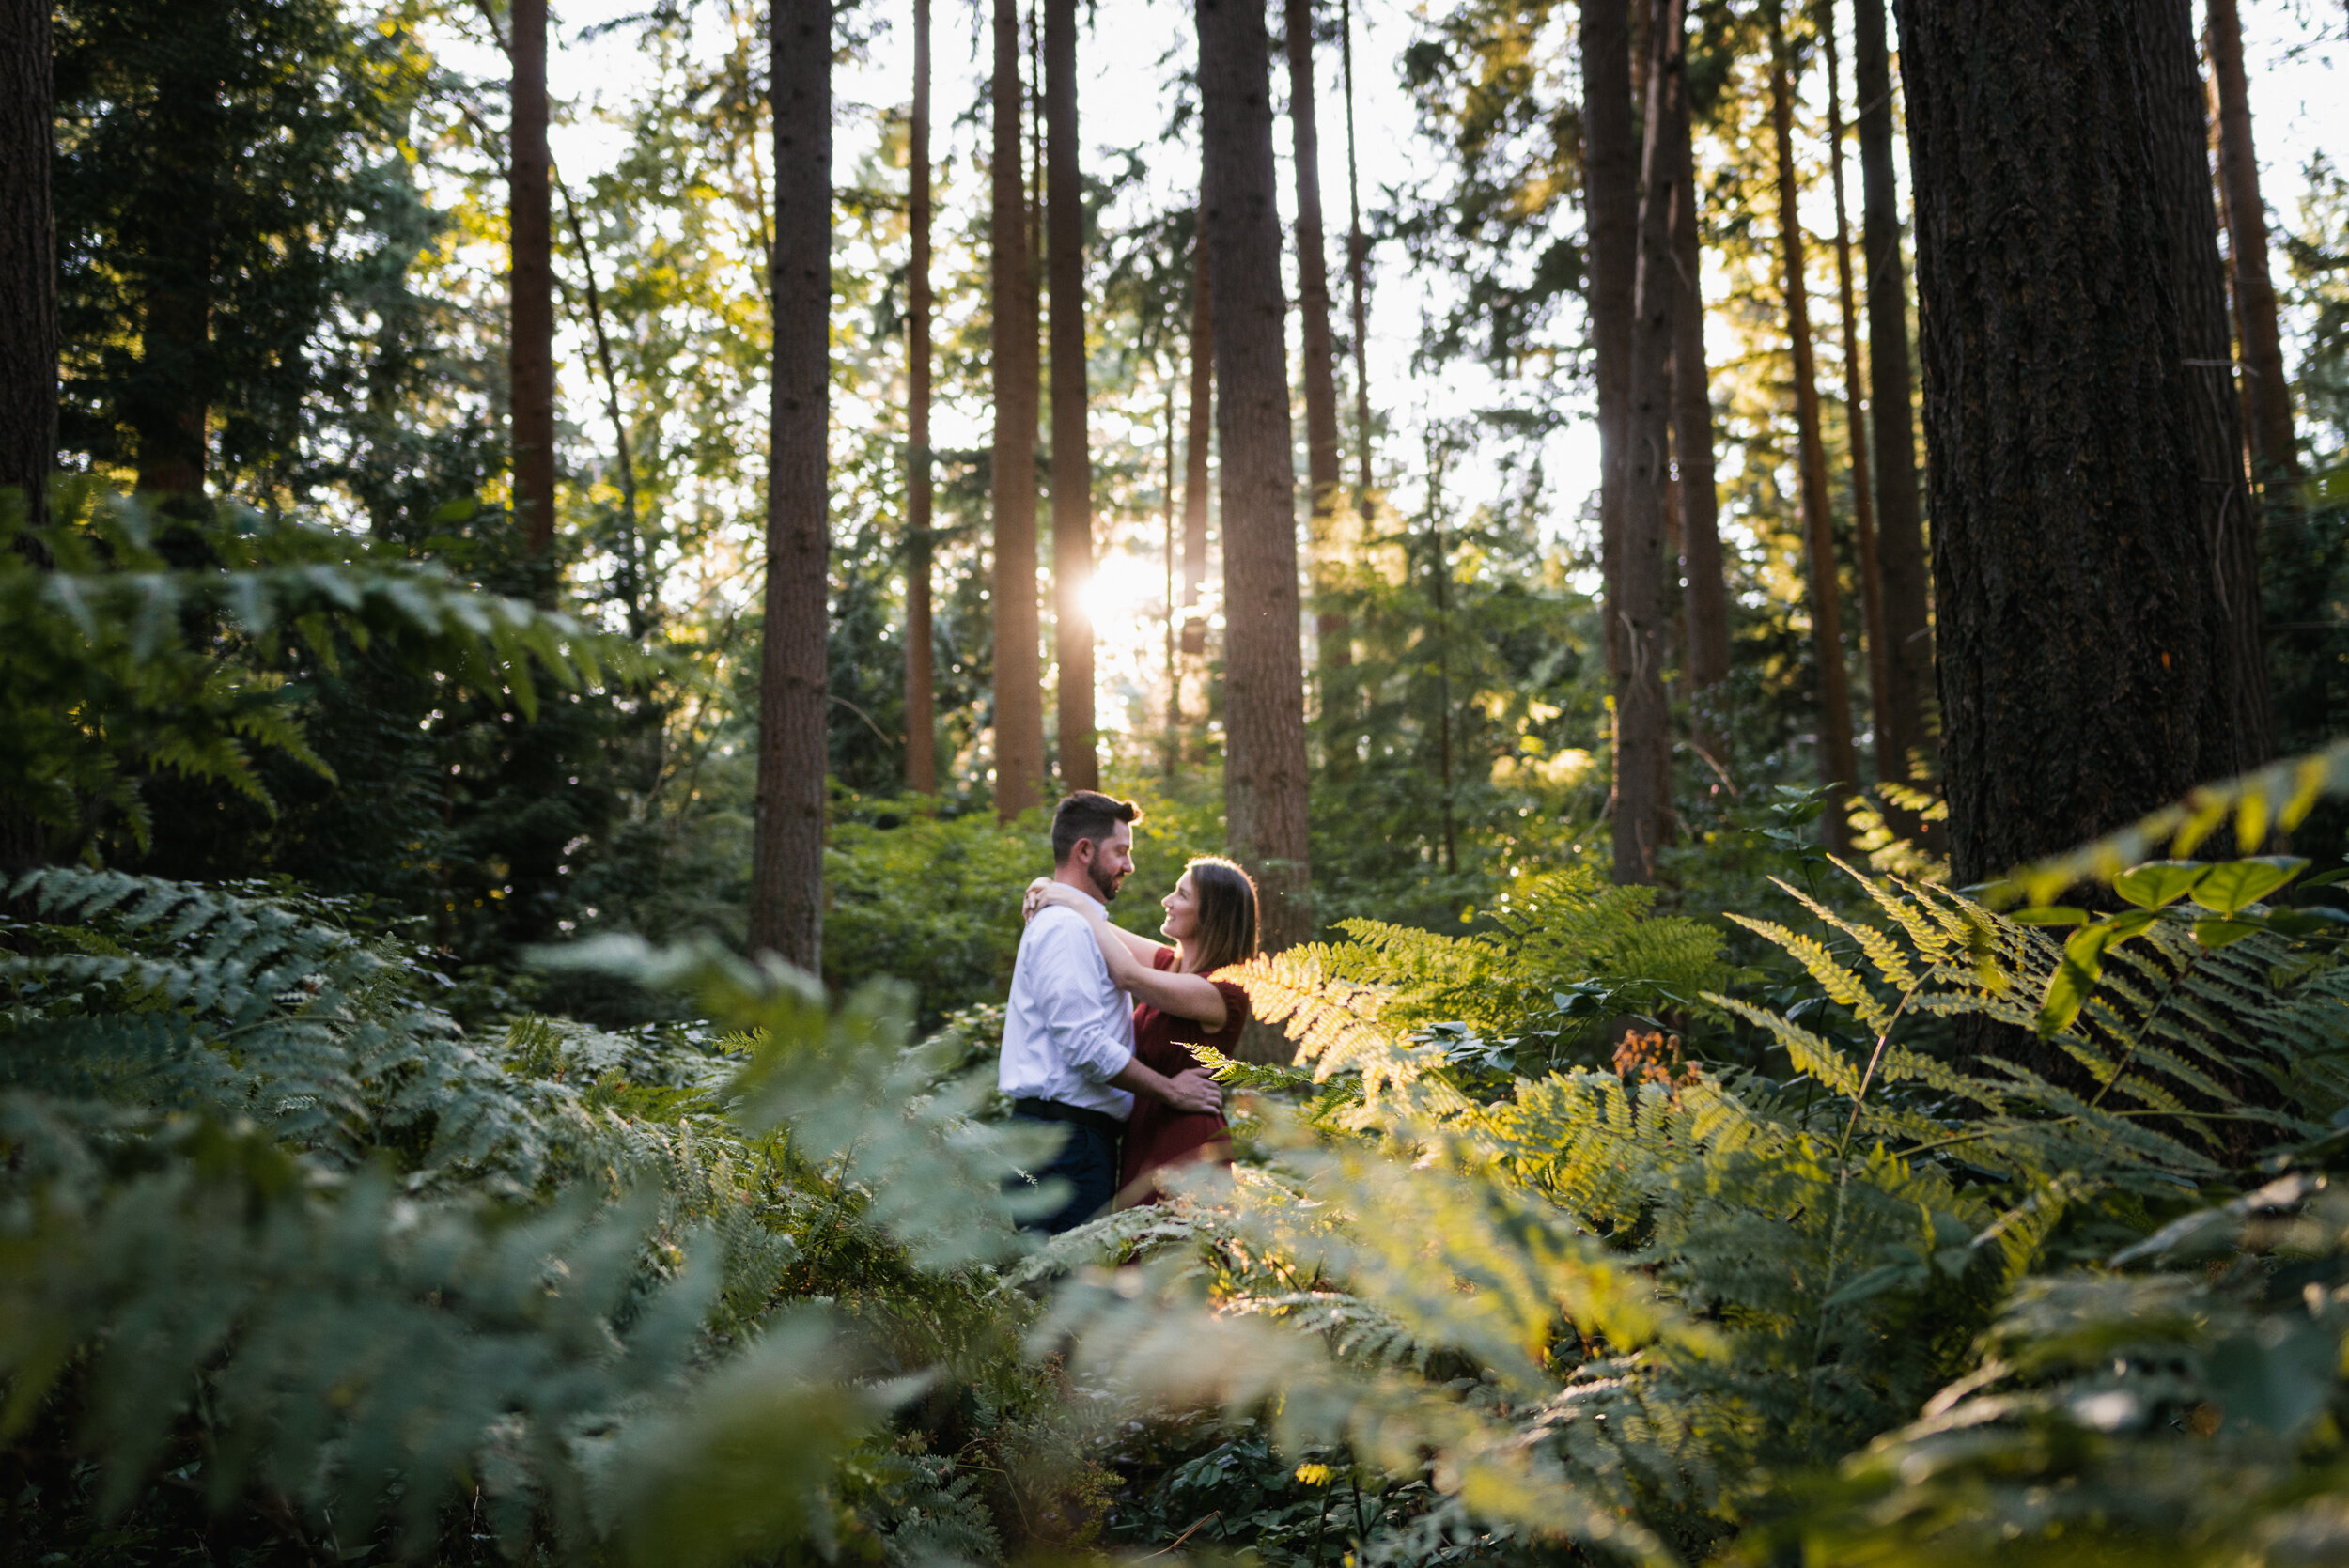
1227,916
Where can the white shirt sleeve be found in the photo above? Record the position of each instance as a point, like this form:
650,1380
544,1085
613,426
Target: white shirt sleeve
1073,972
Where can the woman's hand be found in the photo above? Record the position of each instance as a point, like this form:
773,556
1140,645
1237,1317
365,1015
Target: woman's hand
1033,900
1044,891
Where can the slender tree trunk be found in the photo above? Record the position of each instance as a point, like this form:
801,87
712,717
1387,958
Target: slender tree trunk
1706,589
1642,726
1357,272
1326,487
1199,435
2274,455
921,717
2228,517
2083,639
787,853
1439,584
1838,767
29,253
1018,675
1174,746
1889,765
1072,449
632,564
1264,712
531,220
1903,706
1611,202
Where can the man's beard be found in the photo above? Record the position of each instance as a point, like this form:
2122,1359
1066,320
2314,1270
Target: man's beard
1104,880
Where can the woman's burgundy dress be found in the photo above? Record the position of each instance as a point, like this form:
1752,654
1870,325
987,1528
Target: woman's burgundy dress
1159,1135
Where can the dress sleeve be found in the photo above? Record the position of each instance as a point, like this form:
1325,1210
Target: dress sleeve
1234,1008
1162,959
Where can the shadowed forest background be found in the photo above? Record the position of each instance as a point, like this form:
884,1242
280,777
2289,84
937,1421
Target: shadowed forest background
1759,585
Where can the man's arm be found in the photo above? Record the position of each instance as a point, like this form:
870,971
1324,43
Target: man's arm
1066,951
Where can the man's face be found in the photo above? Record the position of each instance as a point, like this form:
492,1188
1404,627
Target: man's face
1107,862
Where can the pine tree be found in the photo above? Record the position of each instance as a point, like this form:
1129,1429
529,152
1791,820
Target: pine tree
2084,654
1324,488
1838,768
1072,459
1019,677
787,853
1610,207
921,720
1198,439
530,216
1705,589
28,327
1358,281
2266,390
1264,713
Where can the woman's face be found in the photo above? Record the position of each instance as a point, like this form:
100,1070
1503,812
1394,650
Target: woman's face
1182,911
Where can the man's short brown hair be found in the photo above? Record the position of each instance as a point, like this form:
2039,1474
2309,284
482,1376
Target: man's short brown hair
1088,816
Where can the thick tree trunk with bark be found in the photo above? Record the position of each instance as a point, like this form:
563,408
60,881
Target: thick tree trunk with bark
28,260
1903,706
2084,644
1019,674
1705,589
787,853
1198,441
2229,519
1263,714
2267,392
1642,727
921,717
1072,447
1838,768
1889,765
1326,488
530,216
1611,208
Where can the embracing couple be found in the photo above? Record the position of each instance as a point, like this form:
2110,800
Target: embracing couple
1098,1031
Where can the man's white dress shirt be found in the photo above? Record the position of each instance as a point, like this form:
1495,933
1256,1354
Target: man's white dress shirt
1067,1030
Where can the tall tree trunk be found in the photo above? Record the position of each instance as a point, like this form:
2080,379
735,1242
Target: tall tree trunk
1326,488
1838,767
921,717
1173,749
1072,450
1704,586
1199,436
1610,207
1357,272
1263,710
1903,706
29,253
2229,520
1642,727
2274,455
1889,765
530,222
787,854
1018,675
2084,643
631,574
1439,584
167,403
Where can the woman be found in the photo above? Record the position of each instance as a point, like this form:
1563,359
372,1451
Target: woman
1211,920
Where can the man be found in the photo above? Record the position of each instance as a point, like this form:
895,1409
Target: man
1069,1032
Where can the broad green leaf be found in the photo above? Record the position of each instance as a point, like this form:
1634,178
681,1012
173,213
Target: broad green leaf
2068,988
2216,934
2232,886
2159,882
2056,914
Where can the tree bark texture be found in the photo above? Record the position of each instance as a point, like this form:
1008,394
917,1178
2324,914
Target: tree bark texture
2226,514
1642,726
1611,208
1018,672
530,217
787,853
1198,440
1325,485
2268,393
2083,639
1838,768
921,717
1072,449
1705,590
1358,281
29,253
1264,715
1904,707
1889,763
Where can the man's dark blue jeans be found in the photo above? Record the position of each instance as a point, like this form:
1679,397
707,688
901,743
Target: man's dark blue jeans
1088,1162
